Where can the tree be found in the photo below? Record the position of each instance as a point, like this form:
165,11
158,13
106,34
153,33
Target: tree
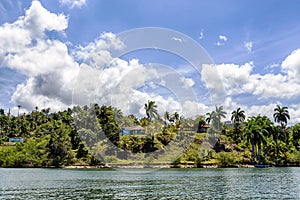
278,136
210,116
219,113
167,117
151,111
256,132
281,115
19,106
296,136
238,116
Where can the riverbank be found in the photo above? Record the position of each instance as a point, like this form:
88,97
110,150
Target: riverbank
154,166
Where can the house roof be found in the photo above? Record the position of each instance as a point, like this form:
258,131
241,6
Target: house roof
133,128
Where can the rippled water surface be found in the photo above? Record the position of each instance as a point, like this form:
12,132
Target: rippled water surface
270,183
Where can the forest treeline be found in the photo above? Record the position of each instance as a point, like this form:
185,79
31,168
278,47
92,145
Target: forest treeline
82,136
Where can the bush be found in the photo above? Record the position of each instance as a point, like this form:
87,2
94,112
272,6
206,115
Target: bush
293,157
228,158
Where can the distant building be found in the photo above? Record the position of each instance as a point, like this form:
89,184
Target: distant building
16,139
204,128
132,130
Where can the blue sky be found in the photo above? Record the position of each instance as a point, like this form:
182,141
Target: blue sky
254,45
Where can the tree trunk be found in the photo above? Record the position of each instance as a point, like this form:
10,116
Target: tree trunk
258,152
253,151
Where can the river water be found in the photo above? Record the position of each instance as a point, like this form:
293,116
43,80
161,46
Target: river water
240,183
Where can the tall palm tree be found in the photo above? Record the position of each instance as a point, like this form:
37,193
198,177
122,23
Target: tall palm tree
167,117
210,116
278,135
238,116
151,111
281,115
255,133
19,106
219,113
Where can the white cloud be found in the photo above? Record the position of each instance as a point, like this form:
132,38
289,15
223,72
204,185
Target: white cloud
187,82
222,40
28,29
73,3
248,46
219,44
201,35
291,65
223,37
50,69
240,80
176,39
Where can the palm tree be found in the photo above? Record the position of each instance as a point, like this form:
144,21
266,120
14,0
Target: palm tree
151,111
210,116
19,106
278,135
219,113
167,117
281,115
238,116
256,133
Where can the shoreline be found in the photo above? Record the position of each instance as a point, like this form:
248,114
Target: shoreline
153,166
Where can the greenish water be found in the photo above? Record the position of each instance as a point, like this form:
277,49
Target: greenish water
270,183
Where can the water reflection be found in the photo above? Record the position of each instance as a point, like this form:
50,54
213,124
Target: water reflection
270,183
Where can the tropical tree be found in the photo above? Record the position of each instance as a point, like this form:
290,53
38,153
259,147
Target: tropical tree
256,132
210,116
238,116
167,117
281,115
296,136
276,145
151,111
19,106
219,114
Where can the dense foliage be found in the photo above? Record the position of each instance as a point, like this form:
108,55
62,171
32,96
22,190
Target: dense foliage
82,135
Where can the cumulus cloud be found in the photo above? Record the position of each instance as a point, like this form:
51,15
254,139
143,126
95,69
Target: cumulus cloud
29,29
58,77
49,68
248,46
73,3
240,79
97,53
187,82
291,65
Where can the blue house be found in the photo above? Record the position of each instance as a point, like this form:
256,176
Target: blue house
132,130
16,139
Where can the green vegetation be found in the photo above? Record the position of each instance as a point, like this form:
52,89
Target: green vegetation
90,135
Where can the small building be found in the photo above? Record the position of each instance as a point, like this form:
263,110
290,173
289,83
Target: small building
132,130
16,139
204,128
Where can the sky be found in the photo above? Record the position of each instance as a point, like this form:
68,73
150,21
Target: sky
188,56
